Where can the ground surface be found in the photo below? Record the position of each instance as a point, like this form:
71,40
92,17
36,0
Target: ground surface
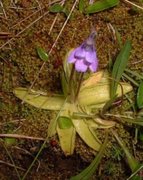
24,25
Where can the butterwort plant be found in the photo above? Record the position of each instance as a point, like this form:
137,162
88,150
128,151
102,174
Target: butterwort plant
77,114
84,57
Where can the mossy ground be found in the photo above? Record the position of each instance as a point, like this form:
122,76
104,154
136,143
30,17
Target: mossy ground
20,64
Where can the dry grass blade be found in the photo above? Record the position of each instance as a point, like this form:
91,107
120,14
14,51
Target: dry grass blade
134,4
9,41
4,12
21,137
11,165
15,167
55,19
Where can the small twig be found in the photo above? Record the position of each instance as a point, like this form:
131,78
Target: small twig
21,137
25,29
112,30
134,4
55,19
3,9
13,6
38,4
15,167
7,63
20,8
11,165
63,26
137,62
26,18
13,121
28,153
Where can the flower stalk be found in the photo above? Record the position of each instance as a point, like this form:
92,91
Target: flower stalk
79,85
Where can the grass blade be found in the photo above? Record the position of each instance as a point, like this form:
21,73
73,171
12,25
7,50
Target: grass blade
140,96
119,67
134,74
130,79
81,5
132,162
88,172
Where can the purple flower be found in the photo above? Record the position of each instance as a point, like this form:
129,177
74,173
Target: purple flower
84,56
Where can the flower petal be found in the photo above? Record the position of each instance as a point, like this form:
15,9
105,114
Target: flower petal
71,56
80,66
79,53
91,56
93,67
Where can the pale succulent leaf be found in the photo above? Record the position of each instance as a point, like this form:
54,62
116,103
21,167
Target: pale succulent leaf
67,139
67,66
52,127
93,79
92,123
84,132
53,123
39,99
103,122
100,123
66,74
99,93
93,130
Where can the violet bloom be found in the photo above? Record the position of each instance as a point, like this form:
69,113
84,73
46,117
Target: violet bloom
84,56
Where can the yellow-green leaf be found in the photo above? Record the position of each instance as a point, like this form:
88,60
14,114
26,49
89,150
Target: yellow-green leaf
98,93
140,95
67,139
39,99
42,54
101,5
84,132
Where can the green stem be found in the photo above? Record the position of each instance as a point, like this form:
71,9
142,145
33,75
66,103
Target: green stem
132,162
79,85
71,78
